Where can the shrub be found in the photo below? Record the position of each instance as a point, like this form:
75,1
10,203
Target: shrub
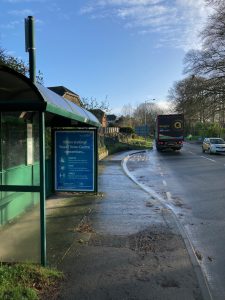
126,130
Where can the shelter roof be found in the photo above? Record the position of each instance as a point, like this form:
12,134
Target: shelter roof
17,92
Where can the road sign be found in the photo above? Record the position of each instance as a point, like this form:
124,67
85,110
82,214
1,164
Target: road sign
143,130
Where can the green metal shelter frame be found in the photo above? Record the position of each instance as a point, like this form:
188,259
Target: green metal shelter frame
18,93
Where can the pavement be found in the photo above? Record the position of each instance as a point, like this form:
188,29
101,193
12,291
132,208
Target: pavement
122,243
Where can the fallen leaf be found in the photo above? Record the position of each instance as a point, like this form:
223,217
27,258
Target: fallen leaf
210,258
198,254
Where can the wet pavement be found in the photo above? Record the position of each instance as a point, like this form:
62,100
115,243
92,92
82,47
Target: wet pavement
120,244
192,184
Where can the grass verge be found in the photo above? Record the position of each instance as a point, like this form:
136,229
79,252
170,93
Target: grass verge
28,282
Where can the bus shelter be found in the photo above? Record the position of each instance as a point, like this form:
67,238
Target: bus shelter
31,117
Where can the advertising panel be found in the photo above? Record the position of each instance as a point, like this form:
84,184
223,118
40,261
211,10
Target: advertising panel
74,160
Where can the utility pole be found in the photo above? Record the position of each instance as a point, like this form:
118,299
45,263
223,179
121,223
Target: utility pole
30,46
145,119
146,102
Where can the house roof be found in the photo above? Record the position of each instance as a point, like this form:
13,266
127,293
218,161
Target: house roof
61,90
111,117
17,92
66,93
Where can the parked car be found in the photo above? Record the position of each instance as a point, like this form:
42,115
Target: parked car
213,145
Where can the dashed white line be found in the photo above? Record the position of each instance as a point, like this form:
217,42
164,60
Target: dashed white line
164,183
168,195
208,158
191,152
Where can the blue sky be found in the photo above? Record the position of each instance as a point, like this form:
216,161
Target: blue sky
127,51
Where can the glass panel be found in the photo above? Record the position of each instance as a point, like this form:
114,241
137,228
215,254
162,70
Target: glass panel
65,104
20,227
20,148
91,116
54,99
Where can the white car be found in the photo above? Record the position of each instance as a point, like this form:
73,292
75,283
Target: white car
213,145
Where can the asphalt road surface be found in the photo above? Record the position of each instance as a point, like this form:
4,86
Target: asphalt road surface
193,184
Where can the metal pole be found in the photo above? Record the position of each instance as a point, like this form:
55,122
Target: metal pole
42,186
145,119
31,47
96,159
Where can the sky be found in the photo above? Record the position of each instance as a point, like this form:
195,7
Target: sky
121,51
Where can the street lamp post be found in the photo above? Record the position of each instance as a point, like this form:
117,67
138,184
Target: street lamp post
145,119
146,102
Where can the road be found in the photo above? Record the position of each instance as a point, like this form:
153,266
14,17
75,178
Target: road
193,184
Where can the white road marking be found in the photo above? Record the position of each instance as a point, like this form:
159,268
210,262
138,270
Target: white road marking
161,174
164,183
208,158
191,152
169,197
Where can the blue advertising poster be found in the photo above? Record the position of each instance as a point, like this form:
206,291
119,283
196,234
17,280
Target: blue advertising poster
74,160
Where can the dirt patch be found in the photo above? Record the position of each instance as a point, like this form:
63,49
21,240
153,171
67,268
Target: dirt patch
143,242
150,240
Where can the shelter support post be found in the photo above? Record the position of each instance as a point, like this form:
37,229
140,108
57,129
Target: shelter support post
96,160
42,186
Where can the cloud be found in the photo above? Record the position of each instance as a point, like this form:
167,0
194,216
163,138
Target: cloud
128,2
86,10
21,13
10,25
59,12
177,23
23,1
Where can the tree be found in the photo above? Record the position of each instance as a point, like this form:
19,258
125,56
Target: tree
127,119
201,95
18,65
146,111
126,130
127,110
210,61
93,103
13,62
